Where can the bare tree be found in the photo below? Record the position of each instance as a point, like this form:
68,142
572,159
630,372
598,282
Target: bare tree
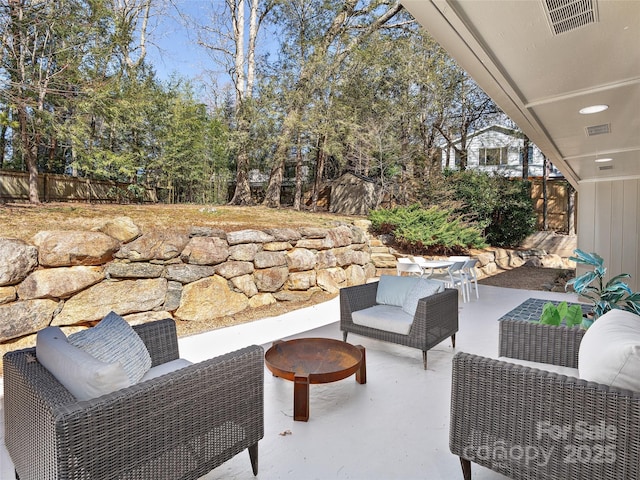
224,38
472,110
131,18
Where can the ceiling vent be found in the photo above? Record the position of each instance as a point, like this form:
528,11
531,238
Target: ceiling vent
567,15
606,167
598,129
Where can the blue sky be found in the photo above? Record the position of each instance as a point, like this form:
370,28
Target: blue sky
176,51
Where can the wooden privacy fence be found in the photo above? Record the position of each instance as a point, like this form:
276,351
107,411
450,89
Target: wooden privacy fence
558,209
14,187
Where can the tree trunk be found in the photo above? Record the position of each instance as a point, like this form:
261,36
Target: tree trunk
3,144
525,158
297,201
319,172
51,157
242,193
272,195
463,151
29,155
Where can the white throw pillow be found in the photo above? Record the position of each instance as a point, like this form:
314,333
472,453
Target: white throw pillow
610,351
423,288
113,340
392,289
83,375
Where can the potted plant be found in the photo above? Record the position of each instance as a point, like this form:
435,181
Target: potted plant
603,296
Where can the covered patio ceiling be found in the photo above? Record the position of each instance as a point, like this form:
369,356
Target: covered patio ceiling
544,60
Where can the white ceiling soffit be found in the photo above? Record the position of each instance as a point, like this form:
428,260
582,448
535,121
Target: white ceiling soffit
542,61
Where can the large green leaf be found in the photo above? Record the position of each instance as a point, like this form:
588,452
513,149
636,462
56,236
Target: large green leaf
615,283
550,315
585,258
574,315
580,283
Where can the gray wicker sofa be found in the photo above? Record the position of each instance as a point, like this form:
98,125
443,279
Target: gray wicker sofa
528,422
179,425
435,318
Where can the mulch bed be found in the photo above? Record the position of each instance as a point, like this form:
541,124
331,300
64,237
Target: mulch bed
531,278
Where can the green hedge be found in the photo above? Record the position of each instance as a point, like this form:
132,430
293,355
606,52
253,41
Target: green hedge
462,210
434,230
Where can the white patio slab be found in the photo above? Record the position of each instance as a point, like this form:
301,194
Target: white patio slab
396,426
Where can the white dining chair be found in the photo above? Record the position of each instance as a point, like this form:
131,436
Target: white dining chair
469,271
455,278
405,265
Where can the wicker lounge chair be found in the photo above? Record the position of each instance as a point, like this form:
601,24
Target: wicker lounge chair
530,423
177,426
436,318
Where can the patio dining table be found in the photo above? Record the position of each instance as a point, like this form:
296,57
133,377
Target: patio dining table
432,265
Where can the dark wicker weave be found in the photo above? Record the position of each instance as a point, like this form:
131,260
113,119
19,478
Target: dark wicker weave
436,318
177,426
504,416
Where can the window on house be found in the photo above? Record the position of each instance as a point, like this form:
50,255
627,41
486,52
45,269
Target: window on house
521,155
457,158
493,156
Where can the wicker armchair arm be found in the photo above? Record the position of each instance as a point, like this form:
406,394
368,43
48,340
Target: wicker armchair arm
500,410
437,312
358,297
535,342
161,340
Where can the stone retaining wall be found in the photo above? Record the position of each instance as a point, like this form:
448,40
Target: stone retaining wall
66,278
69,278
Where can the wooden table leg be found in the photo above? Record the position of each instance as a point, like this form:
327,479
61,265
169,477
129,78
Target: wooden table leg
361,374
301,398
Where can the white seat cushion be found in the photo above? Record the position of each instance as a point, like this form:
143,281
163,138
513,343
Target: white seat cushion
165,368
610,351
82,374
568,371
384,317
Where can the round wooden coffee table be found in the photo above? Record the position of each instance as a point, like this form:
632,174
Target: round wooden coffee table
306,361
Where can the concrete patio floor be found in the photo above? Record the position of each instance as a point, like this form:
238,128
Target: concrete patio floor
396,426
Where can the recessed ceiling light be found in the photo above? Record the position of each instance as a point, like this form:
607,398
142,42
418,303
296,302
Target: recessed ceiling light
593,109
603,160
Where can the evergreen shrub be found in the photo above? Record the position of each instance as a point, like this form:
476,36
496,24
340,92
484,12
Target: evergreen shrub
434,230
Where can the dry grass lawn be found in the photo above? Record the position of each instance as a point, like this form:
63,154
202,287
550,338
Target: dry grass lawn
23,220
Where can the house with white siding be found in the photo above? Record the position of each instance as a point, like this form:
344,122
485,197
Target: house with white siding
497,149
